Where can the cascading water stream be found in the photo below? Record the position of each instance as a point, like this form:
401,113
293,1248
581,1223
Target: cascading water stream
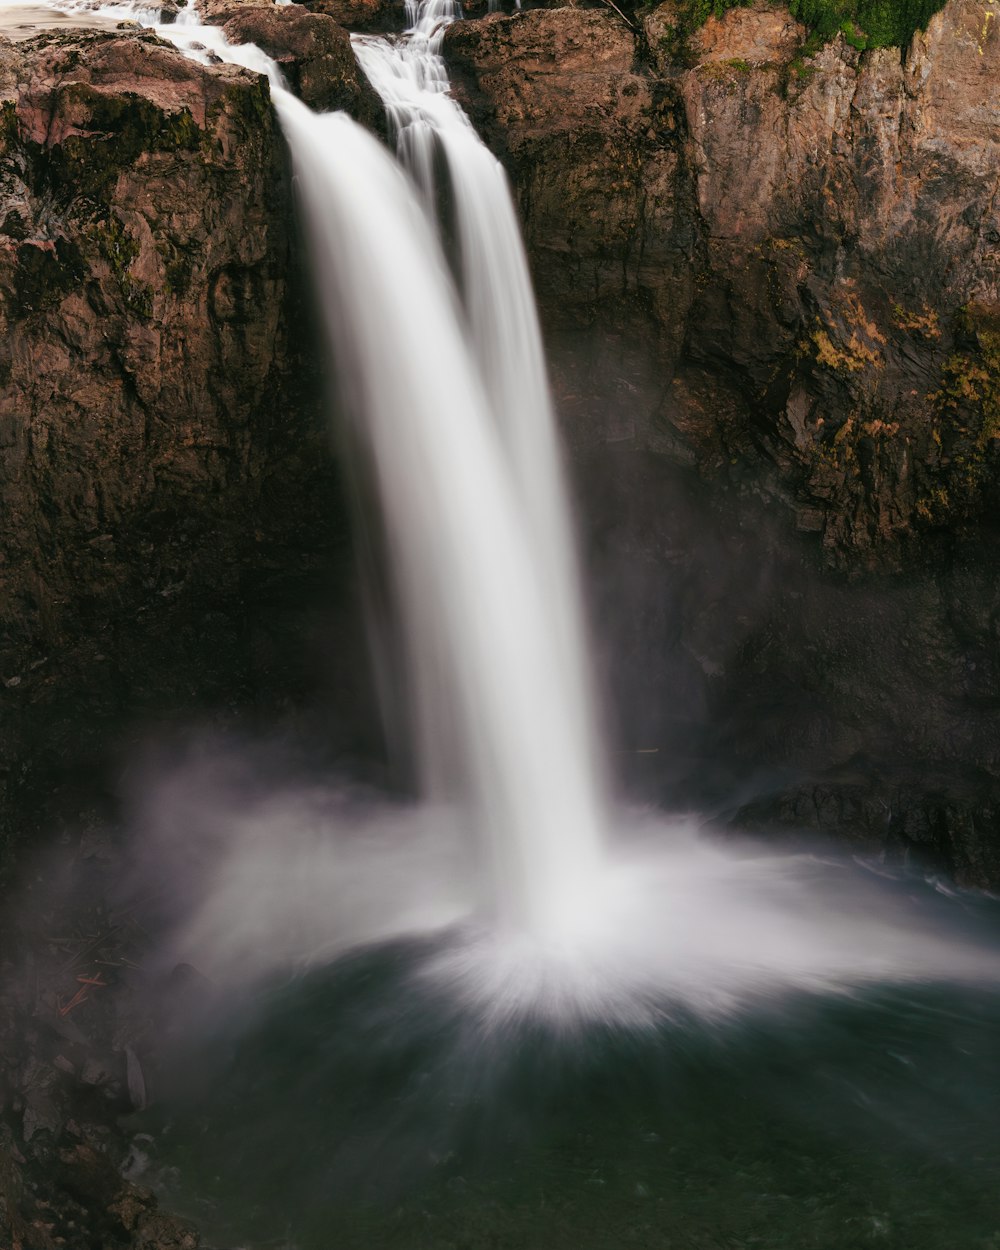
411,78
454,411
489,672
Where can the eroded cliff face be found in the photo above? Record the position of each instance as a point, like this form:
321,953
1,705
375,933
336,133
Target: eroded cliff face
144,265
165,468
777,277
808,250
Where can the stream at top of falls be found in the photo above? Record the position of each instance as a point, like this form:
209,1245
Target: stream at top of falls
513,1012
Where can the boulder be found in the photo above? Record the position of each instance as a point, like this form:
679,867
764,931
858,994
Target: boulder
314,54
363,15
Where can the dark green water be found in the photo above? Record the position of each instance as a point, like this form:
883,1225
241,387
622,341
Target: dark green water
356,1110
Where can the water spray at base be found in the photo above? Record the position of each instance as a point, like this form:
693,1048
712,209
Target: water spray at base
267,882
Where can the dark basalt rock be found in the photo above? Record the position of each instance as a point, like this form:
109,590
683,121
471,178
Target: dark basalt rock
160,414
315,55
777,277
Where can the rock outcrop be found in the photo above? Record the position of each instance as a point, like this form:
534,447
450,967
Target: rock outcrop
359,15
782,273
143,273
163,433
363,15
811,243
314,54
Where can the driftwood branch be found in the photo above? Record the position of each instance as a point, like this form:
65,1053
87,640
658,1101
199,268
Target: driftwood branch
611,5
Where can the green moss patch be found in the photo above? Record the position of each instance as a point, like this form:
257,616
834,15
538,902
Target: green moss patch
120,128
46,274
863,23
119,249
866,23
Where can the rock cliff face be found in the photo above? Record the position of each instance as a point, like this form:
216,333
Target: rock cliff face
143,276
812,243
165,487
164,448
780,273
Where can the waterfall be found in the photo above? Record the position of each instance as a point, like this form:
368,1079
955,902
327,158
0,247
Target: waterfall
554,834
490,679
443,385
426,121
448,396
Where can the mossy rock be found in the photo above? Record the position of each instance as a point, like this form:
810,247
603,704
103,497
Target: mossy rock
863,23
120,129
45,275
